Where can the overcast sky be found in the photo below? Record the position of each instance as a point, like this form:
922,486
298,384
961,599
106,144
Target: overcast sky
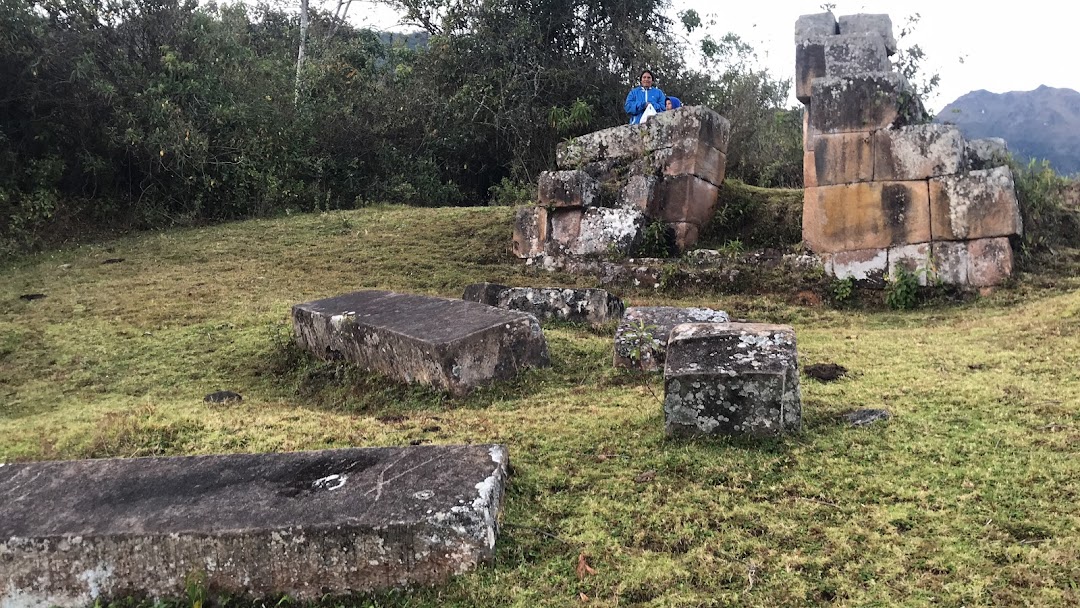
972,45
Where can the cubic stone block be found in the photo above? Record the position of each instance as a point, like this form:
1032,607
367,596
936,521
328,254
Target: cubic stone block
565,228
642,335
732,379
448,344
594,306
951,262
530,231
625,142
855,54
605,231
866,267
697,123
990,262
691,157
880,24
809,64
685,199
916,259
861,103
918,152
979,204
986,153
302,524
815,26
871,215
567,189
843,158
638,191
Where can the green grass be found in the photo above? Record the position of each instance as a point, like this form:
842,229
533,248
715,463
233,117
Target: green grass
969,496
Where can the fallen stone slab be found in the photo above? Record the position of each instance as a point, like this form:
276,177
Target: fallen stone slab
732,379
451,345
866,417
641,337
594,306
303,524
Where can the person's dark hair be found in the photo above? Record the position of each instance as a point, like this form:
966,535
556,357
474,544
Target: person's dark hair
643,72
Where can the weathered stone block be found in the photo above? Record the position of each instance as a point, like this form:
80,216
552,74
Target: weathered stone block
691,157
732,379
879,24
991,262
809,64
979,204
530,231
606,231
685,199
302,524
951,262
866,267
862,103
594,306
448,344
638,191
986,153
565,228
567,189
685,235
815,26
855,54
697,123
917,152
916,259
809,170
642,335
622,142
843,158
872,215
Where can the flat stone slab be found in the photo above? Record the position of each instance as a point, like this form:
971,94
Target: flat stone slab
304,524
732,379
594,306
451,345
642,336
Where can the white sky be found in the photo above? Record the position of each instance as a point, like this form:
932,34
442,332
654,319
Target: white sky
1004,47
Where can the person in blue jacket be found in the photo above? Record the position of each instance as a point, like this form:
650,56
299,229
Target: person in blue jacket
673,103
639,98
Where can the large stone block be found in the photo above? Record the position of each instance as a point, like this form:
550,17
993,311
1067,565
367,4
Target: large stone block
918,152
625,142
685,199
862,103
866,267
565,228
594,306
302,524
448,344
530,231
732,379
915,259
872,215
606,231
574,188
809,170
854,54
879,24
698,123
979,204
951,262
642,335
691,157
809,64
986,153
814,26
991,262
638,191
843,158
685,235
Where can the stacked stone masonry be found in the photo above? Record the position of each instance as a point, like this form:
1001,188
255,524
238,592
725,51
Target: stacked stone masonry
883,192
615,183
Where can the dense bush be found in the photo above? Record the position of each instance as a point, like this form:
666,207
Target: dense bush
1048,220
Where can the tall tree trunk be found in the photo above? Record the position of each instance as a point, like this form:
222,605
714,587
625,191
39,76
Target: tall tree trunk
303,47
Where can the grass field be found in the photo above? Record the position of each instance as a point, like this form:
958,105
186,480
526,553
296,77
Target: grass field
968,496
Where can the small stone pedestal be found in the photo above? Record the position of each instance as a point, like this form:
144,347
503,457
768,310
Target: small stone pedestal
731,379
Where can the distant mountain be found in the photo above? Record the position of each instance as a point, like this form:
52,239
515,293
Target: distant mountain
1044,123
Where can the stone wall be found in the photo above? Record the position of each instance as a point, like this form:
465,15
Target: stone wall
882,190
613,184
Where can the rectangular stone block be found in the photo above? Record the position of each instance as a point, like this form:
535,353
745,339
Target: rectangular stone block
861,103
854,54
686,235
916,259
698,123
986,153
809,64
642,335
594,306
975,205
809,170
880,24
815,26
871,215
951,262
685,199
866,267
302,524
625,142
918,152
565,228
530,231
991,262
448,344
732,379
606,231
691,157
843,158
567,189
638,191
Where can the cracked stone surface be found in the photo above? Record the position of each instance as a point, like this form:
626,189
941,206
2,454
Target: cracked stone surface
594,306
451,345
304,524
642,336
732,379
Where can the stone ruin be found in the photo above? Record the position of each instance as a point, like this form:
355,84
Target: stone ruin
883,191
614,185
